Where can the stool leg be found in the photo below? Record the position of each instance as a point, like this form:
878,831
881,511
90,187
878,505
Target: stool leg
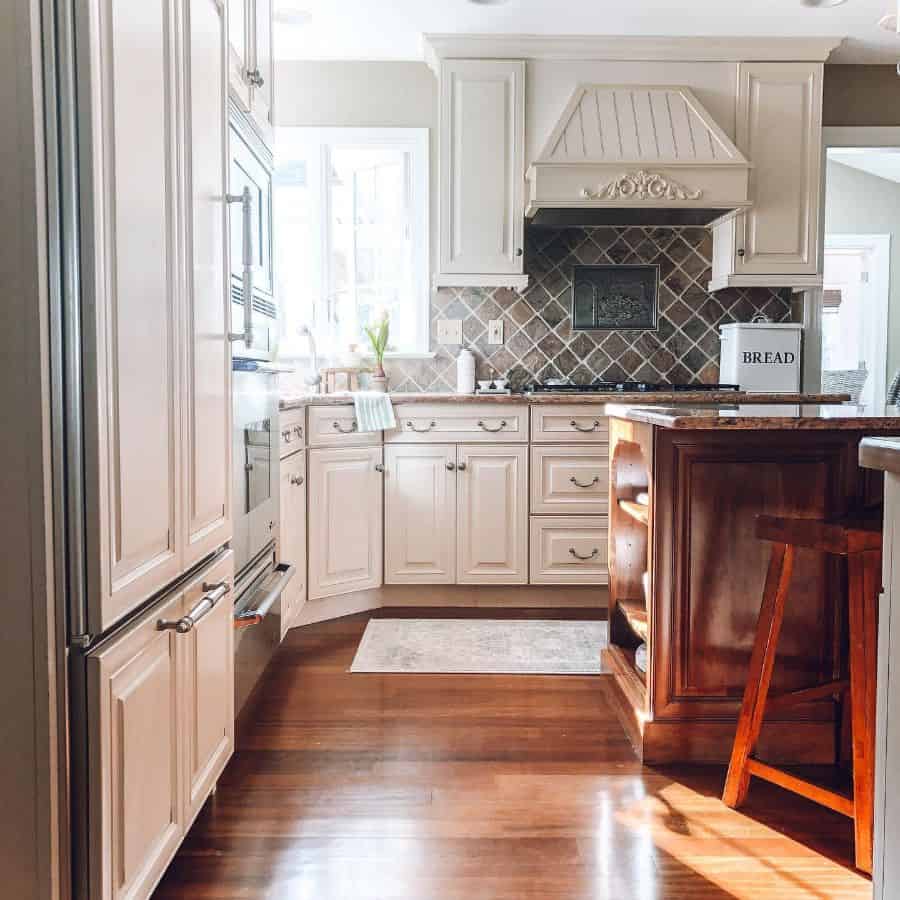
864,571
762,661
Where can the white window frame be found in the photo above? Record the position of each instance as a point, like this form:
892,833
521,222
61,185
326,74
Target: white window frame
416,142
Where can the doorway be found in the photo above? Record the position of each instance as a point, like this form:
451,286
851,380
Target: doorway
855,315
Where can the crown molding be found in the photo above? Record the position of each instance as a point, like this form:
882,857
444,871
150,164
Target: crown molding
609,47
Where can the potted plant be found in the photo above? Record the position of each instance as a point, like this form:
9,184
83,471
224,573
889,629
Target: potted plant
377,334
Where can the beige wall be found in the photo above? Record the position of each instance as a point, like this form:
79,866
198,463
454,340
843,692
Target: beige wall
28,844
859,203
861,95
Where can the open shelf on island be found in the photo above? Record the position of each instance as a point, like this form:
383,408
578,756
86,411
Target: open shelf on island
638,511
635,614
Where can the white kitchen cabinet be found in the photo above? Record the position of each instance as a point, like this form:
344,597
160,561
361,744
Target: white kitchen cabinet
156,359
292,537
160,706
492,514
420,514
207,729
250,67
207,372
482,181
346,506
779,129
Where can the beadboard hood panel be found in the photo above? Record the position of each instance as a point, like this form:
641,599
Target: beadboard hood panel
636,155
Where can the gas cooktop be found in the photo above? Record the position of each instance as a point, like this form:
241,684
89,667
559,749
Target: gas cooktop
623,387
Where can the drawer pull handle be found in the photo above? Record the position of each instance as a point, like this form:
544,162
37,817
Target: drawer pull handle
337,427
593,555
427,428
578,427
581,484
484,427
297,479
203,608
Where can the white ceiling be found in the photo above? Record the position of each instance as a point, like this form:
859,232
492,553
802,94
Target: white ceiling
392,29
881,161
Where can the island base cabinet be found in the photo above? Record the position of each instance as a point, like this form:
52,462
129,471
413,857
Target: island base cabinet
492,514
161,725
346,507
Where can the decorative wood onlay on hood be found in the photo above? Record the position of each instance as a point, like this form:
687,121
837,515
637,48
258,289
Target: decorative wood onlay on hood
636,155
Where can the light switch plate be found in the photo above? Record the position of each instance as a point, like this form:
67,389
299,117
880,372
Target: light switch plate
449,331
495,331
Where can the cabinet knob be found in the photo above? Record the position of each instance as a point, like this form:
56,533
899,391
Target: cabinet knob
254,77
451,466
286,436
379,467
742,252
461,467
297,479
519,252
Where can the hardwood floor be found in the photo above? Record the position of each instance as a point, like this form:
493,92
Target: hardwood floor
399,787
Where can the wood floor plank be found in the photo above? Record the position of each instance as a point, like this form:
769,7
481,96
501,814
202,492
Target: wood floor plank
368,787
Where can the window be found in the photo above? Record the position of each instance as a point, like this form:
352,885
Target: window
351,235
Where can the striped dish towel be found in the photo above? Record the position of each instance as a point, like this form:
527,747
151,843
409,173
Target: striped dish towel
374,411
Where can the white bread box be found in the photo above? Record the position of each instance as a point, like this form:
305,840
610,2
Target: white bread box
760,356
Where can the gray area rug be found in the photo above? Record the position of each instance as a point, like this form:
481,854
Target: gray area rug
482,646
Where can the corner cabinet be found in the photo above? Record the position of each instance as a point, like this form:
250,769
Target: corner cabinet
346,510
779,129
482,173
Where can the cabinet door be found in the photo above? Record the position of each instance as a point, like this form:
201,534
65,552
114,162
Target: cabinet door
492,514
136,810
239,45
263,70
207,386
292,535
779,129
420,514
132,285
207,650
346,505
482,138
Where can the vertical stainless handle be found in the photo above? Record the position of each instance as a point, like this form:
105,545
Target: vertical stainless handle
246,201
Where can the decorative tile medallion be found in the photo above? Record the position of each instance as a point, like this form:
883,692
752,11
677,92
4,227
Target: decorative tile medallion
606,298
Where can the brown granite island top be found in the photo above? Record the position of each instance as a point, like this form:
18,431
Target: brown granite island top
771,417
298,401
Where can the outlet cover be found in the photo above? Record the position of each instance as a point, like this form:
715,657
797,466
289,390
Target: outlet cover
495,331
449,331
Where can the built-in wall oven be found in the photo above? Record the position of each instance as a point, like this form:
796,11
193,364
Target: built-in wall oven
259,578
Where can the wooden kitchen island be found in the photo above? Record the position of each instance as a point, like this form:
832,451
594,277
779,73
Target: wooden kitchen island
687,572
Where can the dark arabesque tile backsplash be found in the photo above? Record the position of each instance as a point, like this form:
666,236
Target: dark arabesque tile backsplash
539,340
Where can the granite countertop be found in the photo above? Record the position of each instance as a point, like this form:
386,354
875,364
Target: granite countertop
880,453
773,417
298,401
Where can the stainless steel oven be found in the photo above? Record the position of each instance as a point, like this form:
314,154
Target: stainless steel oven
259,580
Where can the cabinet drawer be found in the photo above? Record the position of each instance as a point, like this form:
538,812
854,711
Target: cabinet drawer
567,480
569,423
292,425
569,550
443,423
336,426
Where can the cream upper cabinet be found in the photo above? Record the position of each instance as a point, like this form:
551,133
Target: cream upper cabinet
346,503
132,388
207,373
136,810
420,514
156,360
250,61
779,129
292,536
481,162
492,514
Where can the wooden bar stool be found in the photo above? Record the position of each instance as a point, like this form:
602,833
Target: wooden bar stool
860,542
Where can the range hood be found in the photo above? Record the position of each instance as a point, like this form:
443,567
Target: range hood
636,155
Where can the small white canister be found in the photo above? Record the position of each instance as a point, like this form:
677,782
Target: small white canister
465,372
761,356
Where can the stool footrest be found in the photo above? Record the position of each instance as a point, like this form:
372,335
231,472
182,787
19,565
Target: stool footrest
832,799
806,695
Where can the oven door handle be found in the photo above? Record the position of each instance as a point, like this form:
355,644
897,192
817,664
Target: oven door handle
282,574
